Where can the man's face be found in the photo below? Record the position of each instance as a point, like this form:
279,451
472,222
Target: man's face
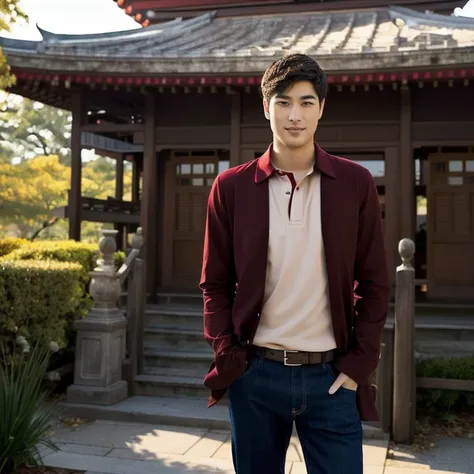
294,114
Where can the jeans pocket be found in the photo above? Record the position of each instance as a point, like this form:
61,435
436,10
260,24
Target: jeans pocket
334,374
251,365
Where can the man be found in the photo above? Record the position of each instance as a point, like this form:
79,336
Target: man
288,235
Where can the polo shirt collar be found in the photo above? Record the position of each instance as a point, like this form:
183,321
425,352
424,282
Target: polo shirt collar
265,168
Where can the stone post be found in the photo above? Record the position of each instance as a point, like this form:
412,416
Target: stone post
101,336
404,380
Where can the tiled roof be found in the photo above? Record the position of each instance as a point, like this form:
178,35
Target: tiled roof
322,34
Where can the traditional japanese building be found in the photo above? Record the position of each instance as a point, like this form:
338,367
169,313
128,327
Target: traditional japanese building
180,99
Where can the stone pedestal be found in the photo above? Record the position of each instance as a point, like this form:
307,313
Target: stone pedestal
101,337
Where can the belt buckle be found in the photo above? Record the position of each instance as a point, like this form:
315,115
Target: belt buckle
285,359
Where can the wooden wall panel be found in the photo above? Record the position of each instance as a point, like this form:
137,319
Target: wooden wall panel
437,133
376,132
172,137
443,103
357,106
362,106
176,110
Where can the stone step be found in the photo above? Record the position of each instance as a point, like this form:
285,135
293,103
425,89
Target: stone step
179,371
174,411
170,297
165,385
174,315
159,356
191,340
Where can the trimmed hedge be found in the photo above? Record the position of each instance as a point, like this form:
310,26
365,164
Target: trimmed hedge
62,251
9,244
36,298
436,401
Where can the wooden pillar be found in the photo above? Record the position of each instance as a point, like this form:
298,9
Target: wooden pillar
404,374
149,203
392,208
407,169
235,122
119,178
74,204
121,228
135,181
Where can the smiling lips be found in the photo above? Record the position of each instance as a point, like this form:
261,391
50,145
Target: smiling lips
295,129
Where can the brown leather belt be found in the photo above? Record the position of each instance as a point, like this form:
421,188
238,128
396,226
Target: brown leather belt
295,358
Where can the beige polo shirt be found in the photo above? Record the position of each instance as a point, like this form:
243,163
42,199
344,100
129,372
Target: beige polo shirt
296,313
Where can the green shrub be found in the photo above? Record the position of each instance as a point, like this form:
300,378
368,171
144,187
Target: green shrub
62,251
435,401
41,298
26,418
9,244
38,300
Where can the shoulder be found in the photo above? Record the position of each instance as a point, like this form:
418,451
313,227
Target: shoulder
350,169
237,174
353,178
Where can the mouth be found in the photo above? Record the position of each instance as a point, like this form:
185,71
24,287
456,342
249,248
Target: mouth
294,129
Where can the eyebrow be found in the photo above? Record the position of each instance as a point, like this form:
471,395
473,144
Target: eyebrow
304,97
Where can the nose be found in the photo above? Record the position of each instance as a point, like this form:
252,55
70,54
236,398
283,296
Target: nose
295,113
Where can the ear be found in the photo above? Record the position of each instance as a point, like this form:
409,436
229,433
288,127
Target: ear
321,108
266,109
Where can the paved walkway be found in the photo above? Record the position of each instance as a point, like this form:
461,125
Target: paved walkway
107,447
449,456
133,448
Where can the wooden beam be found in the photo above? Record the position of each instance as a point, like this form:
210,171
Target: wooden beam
149,203
445,384
392,209
284,6
407,168
167,4
74,204
112,127
235,123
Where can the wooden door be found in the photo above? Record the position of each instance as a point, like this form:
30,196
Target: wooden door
450,268
189,179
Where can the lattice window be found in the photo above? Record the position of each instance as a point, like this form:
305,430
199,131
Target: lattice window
458,171
196,174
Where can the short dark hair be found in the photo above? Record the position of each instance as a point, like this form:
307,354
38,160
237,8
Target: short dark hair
284,72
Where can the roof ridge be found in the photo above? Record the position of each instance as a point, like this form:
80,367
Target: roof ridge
415,18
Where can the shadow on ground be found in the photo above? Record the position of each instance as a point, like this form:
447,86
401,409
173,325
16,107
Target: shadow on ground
449,455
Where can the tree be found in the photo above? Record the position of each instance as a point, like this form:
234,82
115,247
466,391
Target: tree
9,13
32,189
29,128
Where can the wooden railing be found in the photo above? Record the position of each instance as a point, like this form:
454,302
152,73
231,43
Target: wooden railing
132,272
396,375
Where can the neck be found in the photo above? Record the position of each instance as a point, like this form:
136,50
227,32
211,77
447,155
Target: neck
293,159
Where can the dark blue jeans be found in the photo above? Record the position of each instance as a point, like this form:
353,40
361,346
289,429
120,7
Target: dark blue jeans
266,400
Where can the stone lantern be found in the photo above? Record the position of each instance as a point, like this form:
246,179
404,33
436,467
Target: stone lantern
101,336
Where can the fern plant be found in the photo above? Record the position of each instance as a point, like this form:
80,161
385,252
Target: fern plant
26,417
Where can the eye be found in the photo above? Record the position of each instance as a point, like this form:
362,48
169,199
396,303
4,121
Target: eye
282,102
308,103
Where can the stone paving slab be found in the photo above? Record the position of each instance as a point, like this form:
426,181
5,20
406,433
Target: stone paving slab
177,411
132,448
448,456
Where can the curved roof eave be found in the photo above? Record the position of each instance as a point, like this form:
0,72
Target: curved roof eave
340,34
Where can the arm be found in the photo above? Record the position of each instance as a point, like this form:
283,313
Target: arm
371,306
218,273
